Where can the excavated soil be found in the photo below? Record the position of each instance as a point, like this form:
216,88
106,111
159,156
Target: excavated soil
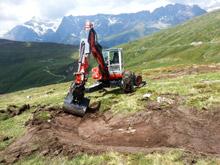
13,110
146,131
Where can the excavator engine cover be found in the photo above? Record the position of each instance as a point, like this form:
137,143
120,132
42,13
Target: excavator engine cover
75,108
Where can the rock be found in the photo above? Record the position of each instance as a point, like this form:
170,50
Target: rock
45,152
130,130
169,101
166,100
147,95
160,99
107,116
120,129
5,138
28,97
196,43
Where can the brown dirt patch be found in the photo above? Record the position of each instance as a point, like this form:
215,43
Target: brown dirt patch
155,127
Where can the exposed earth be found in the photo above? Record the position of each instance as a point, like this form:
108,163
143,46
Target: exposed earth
156,128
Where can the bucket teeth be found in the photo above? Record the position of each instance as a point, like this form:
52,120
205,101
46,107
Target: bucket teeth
75,108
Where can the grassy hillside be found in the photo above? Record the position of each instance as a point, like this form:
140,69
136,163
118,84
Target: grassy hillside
194,41
24,65
187,88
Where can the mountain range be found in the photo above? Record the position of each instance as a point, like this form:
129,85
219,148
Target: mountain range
111,29
31,64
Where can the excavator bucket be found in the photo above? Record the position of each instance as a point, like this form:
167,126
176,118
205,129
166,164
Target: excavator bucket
74,108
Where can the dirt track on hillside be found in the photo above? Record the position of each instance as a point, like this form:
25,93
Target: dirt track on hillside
146,131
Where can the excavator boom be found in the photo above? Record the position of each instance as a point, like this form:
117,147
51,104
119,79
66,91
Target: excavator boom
75,102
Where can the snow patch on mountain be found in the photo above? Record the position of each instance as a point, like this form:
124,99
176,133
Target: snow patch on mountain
163,18
41,26
186,13
97,23
112,21
76,20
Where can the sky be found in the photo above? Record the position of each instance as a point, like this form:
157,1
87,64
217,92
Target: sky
14,12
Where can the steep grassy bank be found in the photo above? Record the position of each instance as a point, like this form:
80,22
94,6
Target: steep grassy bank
25,65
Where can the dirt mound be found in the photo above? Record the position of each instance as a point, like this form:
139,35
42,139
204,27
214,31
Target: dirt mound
13,110
152,128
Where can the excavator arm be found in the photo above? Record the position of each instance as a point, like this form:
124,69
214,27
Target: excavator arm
75,102
89,44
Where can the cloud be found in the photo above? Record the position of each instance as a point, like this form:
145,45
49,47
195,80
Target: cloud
13,12
55,9
115,6
201,3
13,2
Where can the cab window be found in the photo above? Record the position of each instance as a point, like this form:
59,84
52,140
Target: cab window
105,56
114,58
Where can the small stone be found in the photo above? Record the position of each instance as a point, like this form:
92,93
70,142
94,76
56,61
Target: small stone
169,101
147,95
131,130
5,138
107,115
45,152
28,97
160,99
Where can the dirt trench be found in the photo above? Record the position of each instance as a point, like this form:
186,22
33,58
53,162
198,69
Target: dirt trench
146,131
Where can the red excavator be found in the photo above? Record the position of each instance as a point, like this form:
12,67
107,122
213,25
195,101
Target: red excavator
109,72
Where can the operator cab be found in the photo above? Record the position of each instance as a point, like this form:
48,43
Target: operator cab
114,60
